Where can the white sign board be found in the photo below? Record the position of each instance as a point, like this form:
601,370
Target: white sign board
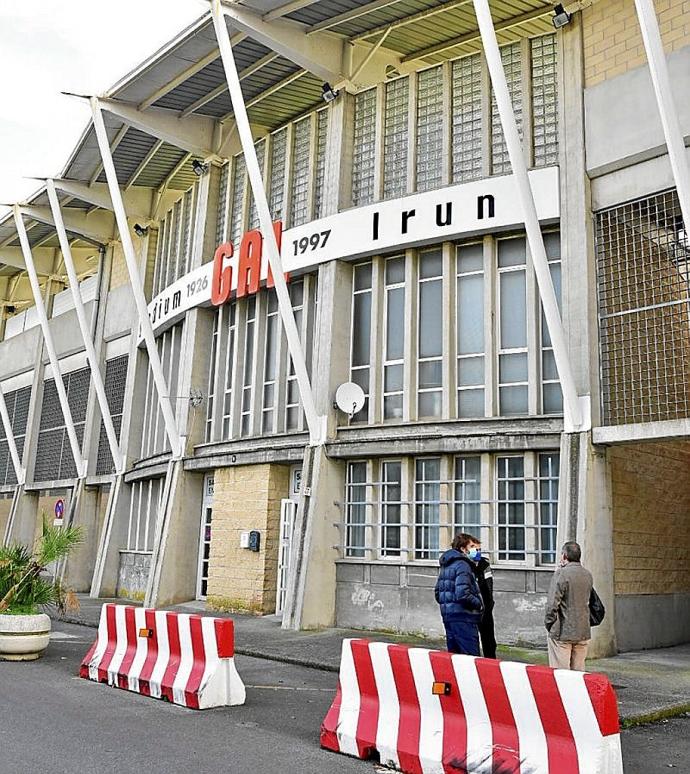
455,212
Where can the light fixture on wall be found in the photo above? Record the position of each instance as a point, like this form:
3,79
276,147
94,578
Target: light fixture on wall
328,92
560,17
199,167
140,231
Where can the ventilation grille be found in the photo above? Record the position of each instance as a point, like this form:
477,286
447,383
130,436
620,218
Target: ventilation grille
18,410
115,383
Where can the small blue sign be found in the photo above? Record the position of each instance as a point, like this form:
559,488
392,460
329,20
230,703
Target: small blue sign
59,509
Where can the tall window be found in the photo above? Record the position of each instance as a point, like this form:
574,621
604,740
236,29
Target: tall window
270,363
467,118
360,356
395,338
248,370
278,166
430,373
427,508
548,506
292,404
356,509
237,203
391,509
208,434
364,148
301,164
510,501
470,330
512,65
545,99
468,495
552,397
512,357
229,319
320,167
260,148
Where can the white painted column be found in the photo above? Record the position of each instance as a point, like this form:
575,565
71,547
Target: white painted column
84,327
79,461
135,282
658,68
11,444
315,422
576,410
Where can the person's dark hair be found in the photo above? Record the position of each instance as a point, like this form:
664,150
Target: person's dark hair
572,551
462,540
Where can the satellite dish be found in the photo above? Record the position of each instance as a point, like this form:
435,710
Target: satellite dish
349,398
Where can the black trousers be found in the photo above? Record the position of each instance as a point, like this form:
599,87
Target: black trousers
486,633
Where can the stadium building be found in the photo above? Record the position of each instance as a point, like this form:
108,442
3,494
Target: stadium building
513,305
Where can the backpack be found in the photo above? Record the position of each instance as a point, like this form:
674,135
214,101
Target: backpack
597,611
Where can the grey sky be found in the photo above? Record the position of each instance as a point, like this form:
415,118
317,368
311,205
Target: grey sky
84,46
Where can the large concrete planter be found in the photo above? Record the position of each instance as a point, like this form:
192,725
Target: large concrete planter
23,637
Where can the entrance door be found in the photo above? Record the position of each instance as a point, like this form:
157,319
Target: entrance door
288,509
205,538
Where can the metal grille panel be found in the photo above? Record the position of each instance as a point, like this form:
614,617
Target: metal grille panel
512,64
643,278
115,383
395,137
430,129
364,152
545,100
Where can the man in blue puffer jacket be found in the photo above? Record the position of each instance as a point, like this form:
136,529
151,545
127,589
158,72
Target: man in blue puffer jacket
457,592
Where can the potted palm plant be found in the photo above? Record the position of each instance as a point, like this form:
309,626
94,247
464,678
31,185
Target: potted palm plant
26,586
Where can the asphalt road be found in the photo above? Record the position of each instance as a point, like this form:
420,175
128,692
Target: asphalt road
52,722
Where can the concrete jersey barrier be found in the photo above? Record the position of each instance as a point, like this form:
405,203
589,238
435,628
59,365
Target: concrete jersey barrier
429,712
185,659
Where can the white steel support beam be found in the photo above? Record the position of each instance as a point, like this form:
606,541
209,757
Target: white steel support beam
575,419
13,256
315,423
319,53
135,282
97,194
658,68
79,461
192,133
75,221
19,471
85,328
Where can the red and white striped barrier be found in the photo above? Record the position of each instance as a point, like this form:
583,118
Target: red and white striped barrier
432,712
186,659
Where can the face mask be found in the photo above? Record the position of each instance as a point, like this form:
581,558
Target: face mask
475,554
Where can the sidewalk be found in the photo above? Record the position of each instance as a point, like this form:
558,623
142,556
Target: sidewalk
650,684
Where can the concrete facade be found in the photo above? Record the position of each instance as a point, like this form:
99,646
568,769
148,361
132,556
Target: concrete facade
462,425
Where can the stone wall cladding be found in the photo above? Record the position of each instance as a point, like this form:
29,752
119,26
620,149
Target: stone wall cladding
651,523
133,575
118,273
612,40
5,508
246,498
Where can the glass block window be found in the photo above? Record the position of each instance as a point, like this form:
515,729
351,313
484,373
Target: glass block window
271,350
260,148
512,64
115,385
511,506
17,402
301,164
222,218
545,100
320,166
239,182
54,459
394,348
427,508
552,398
356,509
429,170
395,138
470,330
466,91
360,354
512,353
364,148
188,209
548,506
430,334
278,172
174,245
172,257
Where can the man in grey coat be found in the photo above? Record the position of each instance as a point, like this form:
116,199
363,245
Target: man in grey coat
567,611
